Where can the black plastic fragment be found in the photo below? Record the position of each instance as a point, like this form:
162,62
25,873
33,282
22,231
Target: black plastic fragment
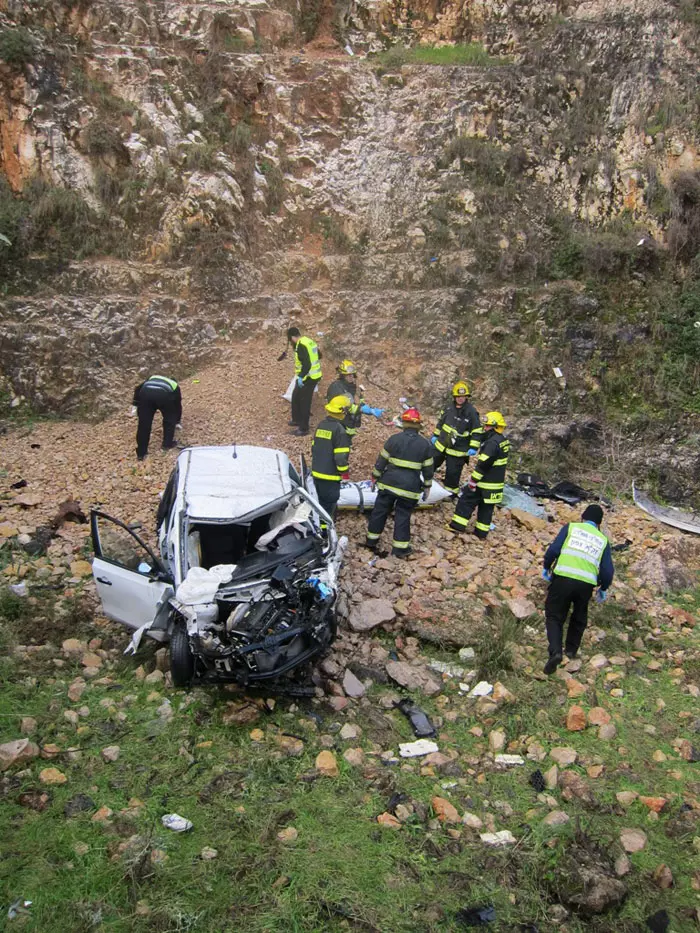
20,484
422,726
537,781
476,916
659,922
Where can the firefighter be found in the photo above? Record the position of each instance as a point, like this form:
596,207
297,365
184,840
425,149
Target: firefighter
576,561
403,474
307,369
484,489
346,384
457,436
157,393
330,450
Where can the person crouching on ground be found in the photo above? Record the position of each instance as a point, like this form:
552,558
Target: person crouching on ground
576,561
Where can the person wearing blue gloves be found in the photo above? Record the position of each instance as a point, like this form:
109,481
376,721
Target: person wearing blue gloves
457,436
346,384
576,561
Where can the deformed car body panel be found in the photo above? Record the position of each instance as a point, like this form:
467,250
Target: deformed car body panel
245,579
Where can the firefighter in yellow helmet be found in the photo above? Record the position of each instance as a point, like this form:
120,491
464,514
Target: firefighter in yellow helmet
484,491
346,384
457,436
330,450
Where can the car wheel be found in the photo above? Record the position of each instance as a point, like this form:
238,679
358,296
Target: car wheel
181,657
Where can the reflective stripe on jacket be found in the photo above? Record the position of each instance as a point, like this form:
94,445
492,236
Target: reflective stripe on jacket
330,450
489,471
458,429
312,352
160,382
405,464
581,553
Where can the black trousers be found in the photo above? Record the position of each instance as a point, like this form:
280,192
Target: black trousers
151,401
565,593
327,493
453,469
301,403
385,502
469,500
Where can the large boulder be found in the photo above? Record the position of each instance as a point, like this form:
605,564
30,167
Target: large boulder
371,613
671,566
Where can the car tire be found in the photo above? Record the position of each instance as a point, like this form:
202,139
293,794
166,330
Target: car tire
181,657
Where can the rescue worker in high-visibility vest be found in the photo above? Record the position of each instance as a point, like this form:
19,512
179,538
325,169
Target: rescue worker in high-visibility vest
307,372
330,450
578,560
403,474
157,393
484,490
346,384
457,436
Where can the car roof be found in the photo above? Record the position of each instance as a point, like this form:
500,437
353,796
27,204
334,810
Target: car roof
232,482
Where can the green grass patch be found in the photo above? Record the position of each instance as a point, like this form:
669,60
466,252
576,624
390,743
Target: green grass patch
471,53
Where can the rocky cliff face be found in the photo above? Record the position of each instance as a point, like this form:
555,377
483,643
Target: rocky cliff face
179,174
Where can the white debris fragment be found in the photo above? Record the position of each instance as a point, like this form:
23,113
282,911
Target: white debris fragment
482,689
466,654
509,760
444,667
415,749
177,823
502,838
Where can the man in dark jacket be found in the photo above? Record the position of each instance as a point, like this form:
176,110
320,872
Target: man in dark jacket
346,384
307,373
403,473
457,436
157,393
484,490
330,450
576,561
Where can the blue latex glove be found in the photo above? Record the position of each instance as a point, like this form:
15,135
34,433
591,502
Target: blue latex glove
547,575
378,412
433,441
471,451
601,596
300,381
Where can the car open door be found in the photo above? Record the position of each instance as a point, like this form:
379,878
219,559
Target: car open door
131,582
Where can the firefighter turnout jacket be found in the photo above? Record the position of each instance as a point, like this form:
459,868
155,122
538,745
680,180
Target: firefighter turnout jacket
405,465
307,358
330,450
353,419
489,471
458,429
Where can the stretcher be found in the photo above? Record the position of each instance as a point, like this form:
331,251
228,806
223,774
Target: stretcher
360,497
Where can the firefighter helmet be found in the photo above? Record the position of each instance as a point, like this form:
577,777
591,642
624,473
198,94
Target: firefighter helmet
460,389
494,419
338,405
347,368
411,416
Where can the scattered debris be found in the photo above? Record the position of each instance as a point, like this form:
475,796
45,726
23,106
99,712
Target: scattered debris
17,908
416,749
421,724
502,838
178,824
476,916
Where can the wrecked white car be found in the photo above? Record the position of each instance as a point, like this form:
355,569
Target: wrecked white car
246,583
